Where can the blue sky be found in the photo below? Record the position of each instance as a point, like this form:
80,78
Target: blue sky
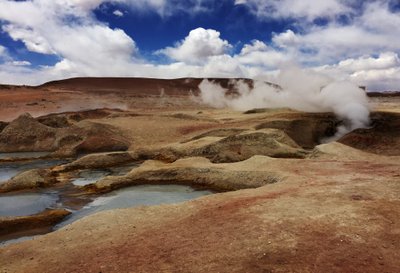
43,40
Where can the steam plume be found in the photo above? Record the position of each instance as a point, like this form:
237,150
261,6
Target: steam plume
299,90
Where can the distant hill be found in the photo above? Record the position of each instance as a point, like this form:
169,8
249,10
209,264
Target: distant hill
145,86
151,86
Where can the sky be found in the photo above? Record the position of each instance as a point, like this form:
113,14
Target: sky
355,40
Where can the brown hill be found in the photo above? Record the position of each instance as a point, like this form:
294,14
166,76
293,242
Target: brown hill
139,86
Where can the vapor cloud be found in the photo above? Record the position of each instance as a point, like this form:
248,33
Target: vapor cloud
300,90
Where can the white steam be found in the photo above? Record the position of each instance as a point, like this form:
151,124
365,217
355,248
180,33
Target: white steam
299,90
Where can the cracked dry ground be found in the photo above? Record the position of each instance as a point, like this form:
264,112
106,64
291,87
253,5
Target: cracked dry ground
335,211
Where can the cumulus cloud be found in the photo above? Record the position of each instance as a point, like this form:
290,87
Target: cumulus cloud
87,45
376,73
383,61
286,39
258,53
358,41
198,46
306,9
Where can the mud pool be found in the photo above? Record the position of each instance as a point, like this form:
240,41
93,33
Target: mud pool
72,197
87,177
10,169
137,196
26,204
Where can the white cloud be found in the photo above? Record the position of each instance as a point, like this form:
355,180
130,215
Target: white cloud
377,73
198,46
259,54
118,13
44,27
19,63
255,46
32,39
166,8
364,48
308,9
383,61
286,39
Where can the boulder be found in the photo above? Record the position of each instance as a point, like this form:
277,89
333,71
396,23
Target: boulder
99,160
25,134
31,179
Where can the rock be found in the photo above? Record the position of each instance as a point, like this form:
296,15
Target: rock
218,133
338,151
47,218
3,125
31,179
237,147
25,134
381,138
54,121
100,138
99,160
268,142
306,129
194,171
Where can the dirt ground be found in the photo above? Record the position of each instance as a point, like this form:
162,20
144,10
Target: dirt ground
335,211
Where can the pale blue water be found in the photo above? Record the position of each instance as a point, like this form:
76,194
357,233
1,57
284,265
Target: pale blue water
137,196
9,170
123,198
26,204
87,177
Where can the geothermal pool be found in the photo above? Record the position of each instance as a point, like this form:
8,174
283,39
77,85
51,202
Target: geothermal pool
90,176
10,169
136,196
71,197
26,203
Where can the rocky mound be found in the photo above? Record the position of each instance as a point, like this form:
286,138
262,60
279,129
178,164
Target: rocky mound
194,171
28,134
237,146
31,179
225,132
65,119
382,138
306,129
99,160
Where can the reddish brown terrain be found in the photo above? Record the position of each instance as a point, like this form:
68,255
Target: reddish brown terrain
284,202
